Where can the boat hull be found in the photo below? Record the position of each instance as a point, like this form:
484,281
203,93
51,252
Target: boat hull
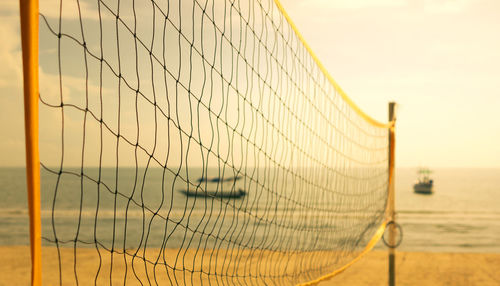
214,194
423,188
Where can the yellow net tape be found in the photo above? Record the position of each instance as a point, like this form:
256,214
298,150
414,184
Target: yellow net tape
378,235
368,118
327,74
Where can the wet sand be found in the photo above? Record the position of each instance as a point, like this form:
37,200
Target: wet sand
412,268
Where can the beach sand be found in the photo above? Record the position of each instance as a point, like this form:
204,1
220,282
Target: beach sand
412,268
423,268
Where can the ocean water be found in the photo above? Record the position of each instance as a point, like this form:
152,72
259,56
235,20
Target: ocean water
463,214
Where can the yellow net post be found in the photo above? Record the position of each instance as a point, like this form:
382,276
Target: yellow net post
29,38
391,198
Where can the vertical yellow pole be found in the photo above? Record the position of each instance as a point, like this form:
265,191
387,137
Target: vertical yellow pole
29,39
392,198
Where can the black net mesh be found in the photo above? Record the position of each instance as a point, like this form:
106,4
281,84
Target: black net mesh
197,142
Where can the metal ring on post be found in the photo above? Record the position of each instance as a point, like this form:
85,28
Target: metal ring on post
396,225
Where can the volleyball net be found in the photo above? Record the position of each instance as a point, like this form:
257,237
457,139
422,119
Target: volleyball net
199,142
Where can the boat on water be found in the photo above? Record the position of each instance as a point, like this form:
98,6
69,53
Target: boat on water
217,188
424,184
235,194
218,180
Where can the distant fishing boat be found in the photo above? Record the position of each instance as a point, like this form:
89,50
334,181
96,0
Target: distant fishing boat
228,191
424,184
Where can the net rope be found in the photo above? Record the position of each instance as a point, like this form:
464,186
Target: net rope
198,142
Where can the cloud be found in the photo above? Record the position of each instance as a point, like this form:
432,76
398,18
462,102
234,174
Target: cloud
9,8
10,52
11,96
429,6
445,6
354,4
51,9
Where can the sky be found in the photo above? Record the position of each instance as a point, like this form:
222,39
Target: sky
437,59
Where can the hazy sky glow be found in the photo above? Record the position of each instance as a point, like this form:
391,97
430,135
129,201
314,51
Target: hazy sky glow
437,59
